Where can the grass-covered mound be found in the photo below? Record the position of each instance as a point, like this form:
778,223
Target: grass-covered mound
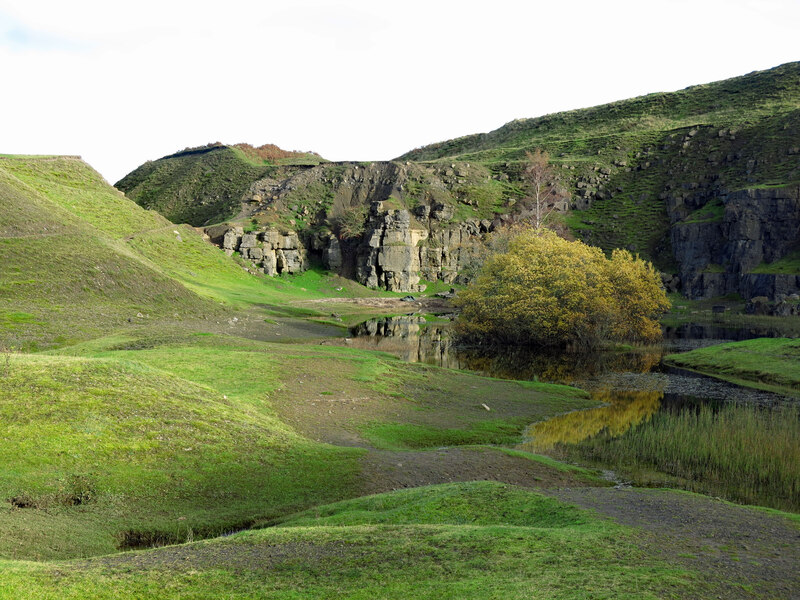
79,260
71,265
479,540
477,503
101,454
65,271
764,363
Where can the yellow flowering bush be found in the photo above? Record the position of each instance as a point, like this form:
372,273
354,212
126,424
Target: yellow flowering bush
549,291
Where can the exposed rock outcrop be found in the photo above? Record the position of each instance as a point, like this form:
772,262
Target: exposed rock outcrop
389,256
399,249
271,251
396,250
718,251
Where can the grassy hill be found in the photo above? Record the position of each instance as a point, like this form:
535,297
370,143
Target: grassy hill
737,102
67,271
205,185
78,260
625,161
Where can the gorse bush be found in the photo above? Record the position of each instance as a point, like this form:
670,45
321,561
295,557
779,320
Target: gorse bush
268,152
545,290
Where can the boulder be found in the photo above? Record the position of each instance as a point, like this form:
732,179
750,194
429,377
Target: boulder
231,240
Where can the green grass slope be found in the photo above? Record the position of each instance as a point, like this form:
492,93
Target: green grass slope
740,101
102,454
79,260
628,157
511,543
66,272
134,440
765,363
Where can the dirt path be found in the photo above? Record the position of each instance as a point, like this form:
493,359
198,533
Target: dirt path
743,552
384,471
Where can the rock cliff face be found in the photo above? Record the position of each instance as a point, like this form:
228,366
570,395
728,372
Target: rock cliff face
389,256
396,251
734,235
270,251
717,243
399,249
408,234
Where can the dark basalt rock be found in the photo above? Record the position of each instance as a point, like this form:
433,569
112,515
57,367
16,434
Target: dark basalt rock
758,226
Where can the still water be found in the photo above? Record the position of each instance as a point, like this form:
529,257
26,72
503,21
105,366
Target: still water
631,385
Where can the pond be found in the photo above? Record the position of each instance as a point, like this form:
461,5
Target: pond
632,385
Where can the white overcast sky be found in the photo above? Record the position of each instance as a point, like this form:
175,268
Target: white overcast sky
123,82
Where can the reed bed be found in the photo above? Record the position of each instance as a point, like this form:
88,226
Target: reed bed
743,453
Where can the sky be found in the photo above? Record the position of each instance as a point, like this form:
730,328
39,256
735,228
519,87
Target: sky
120,83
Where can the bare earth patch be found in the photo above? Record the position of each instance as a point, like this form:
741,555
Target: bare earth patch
384,471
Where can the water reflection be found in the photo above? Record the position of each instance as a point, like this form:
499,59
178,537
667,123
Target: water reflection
624,409
413,339
631,385
409,337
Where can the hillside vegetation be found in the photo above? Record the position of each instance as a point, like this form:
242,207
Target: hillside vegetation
627,161
205,185
476,540
67,271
